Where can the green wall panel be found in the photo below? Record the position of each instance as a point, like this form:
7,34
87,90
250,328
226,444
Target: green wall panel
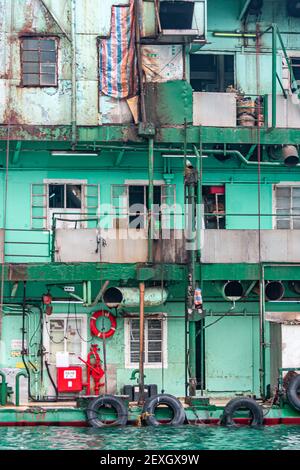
243,199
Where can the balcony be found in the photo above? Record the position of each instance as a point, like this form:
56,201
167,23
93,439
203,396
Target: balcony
217,246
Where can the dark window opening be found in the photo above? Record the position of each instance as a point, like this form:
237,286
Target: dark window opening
138,204
176,15
295,63
65,196
39,62
214,207
211,72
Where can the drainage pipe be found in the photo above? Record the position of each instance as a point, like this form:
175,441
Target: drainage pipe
244,160
142,344
3,389
116,297
150,199
74,84
17,386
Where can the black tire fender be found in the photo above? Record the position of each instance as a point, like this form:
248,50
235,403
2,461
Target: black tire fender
242,403
164,399
293,392
111,400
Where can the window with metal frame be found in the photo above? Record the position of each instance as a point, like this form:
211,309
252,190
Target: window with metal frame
64,197
212,72
39,61
155,342
287,201
130,203
295,63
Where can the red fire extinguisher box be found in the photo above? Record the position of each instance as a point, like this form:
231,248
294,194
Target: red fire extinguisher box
69,379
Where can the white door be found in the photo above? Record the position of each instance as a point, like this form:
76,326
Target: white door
65,333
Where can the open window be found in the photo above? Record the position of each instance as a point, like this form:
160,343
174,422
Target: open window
295,64
131,207
181,21
212,72
214,207
176,15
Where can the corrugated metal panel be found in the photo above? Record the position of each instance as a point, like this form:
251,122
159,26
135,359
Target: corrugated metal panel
241,246
93,16
169,103
288,111
80,246
114,111
214,109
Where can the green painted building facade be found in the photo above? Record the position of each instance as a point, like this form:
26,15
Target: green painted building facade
200,91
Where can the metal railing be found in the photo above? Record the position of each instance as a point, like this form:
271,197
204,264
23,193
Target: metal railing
34,247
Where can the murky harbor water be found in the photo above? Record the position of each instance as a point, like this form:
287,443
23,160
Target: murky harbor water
163,438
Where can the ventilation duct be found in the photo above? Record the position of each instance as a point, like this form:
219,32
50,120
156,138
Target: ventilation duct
232,290
295,285
274,290
290,154
116,297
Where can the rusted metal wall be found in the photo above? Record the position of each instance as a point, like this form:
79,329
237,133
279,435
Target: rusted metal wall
52,105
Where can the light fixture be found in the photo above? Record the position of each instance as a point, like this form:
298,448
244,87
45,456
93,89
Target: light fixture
66,153
167,155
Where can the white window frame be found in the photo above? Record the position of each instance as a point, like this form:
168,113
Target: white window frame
158,365
274,202
58,181
145,183
65,316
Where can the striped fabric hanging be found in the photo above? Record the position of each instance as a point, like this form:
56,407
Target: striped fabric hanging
118,64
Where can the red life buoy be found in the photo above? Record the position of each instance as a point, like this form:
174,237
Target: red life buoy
93,326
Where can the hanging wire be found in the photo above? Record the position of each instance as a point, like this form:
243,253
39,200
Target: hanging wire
6,169
77,329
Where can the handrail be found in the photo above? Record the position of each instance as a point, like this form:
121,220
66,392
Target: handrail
46,243
17,386
277,35
3,389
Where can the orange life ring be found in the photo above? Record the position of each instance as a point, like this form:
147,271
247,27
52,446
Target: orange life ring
93,326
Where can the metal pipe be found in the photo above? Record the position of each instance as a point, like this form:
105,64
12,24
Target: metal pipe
74,84
142,343
274,75
262,333
150,199
199,198
116,297
139,59
244,9
243,159
17,386
3,389
100,293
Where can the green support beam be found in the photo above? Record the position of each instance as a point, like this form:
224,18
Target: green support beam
78,272
60,136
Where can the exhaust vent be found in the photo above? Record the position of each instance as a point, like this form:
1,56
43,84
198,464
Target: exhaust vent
233,291
274,290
